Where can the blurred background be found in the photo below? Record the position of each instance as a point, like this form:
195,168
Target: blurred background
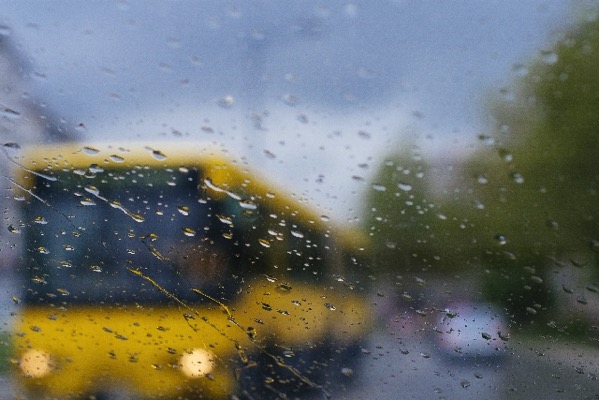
461,137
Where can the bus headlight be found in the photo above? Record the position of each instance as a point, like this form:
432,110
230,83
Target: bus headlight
36,363
196,363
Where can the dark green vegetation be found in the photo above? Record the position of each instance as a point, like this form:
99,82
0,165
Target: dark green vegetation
522,211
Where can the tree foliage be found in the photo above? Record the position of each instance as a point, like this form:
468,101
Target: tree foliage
528,200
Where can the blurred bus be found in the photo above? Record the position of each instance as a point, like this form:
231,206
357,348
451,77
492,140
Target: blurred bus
172,270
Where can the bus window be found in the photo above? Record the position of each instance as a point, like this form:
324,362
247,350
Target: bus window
177,243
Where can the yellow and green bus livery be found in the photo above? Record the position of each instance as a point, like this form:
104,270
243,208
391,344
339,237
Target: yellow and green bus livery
170,270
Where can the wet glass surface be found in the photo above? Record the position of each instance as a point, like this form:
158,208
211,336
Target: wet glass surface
299,200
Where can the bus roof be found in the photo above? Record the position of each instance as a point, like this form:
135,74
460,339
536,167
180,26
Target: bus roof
227,175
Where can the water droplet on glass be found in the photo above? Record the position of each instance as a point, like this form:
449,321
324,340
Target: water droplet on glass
297,234
330,306
518,178
95,169
226,102
117,159
486,140
379,187
505,155
96,268
43,250
136,217
264,242
13,229
501,239
290,99
183,210
284,287
90,150
12,145
324,218
536,279
247,205
404,186
347,371
520,69
549,57
92,189
9,113
40,220
189,232
157,154
5,31
224,219
38,279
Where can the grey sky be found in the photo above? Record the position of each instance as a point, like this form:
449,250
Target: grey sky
336,81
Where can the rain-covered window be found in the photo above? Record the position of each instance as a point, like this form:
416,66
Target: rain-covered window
311,199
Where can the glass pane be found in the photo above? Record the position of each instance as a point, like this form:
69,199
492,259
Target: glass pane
299,199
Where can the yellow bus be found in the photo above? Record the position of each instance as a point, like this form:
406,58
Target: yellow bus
172,271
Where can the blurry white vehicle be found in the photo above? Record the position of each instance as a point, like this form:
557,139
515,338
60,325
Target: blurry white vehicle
472,330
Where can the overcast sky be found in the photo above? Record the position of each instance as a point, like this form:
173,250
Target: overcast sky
317,90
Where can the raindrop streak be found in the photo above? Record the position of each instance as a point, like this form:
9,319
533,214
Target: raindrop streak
119,206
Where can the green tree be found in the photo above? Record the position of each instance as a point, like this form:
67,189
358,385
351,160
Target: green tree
526,203
538,177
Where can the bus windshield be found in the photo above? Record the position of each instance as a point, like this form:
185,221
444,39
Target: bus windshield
149,220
